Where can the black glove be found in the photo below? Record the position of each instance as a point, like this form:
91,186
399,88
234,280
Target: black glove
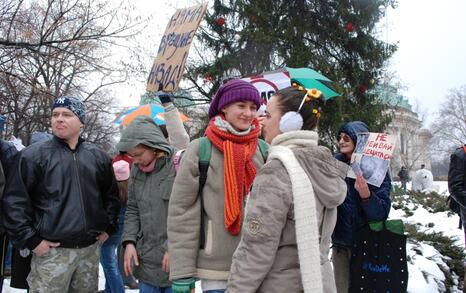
165,97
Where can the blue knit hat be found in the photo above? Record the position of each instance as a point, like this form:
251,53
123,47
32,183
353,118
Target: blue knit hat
72,104
233,91
352,129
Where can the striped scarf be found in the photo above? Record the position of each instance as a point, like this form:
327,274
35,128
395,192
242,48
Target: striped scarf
238,171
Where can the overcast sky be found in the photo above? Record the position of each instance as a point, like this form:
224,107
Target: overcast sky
431,57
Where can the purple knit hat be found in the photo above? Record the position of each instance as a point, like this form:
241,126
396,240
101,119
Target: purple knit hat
233,91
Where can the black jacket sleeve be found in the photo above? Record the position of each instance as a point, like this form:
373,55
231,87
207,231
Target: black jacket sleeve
456,174
111,198
17,203
2,181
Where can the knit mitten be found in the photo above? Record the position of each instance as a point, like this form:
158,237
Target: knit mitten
183,285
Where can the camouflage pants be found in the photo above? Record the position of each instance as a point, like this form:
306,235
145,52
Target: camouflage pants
65,270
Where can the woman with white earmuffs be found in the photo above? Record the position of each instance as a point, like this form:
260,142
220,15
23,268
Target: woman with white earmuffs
292,207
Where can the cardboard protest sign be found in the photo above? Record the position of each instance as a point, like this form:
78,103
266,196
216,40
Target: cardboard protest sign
168,66
269,82
371,156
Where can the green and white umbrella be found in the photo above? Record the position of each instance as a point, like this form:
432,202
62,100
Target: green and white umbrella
271,81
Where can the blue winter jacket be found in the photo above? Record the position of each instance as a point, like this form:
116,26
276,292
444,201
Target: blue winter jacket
353,213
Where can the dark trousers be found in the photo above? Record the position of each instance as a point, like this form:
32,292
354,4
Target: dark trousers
20,268
3,248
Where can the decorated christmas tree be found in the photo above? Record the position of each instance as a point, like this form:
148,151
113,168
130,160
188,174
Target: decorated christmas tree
338,38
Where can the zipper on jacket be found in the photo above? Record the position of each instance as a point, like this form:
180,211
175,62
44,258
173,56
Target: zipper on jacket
80,191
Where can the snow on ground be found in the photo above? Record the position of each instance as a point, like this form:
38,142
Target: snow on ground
7,289
432,222
425,274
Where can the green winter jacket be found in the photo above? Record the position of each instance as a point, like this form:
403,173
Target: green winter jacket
148,195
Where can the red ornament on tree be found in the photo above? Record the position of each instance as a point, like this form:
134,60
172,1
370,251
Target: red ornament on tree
362,89
254,18
207,78
350,27
221,21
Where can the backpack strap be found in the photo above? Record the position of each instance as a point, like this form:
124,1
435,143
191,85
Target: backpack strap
205,152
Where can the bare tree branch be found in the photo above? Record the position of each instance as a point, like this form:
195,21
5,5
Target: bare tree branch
449,128
50,48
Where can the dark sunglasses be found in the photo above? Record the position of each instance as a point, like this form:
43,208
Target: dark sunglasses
345,138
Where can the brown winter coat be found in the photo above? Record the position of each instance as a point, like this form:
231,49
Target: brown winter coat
184,219
266,259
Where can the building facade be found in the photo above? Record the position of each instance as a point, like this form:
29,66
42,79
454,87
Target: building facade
413,141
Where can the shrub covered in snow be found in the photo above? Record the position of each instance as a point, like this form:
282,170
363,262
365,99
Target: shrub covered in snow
435,244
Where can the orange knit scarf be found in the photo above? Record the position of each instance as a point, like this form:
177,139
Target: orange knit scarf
238,171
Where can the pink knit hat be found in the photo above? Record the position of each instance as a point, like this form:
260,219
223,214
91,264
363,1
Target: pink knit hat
121,170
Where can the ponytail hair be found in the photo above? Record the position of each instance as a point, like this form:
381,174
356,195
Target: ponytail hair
307,102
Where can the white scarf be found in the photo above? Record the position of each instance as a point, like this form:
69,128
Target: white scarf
307,232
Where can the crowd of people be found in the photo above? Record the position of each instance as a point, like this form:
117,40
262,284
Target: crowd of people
256,205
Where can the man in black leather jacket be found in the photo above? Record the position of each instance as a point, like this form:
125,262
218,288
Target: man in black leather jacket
61,201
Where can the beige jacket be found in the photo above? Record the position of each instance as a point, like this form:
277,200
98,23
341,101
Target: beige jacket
184,219
178,136
266,259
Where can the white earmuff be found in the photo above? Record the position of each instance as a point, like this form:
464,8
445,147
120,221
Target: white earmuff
291,121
